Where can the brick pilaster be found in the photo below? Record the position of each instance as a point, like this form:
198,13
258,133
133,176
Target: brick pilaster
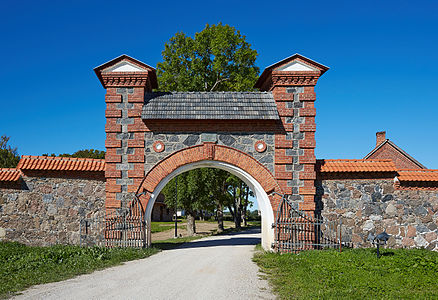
294,95
125,140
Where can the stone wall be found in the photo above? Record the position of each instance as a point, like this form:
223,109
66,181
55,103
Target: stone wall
369,206
47,210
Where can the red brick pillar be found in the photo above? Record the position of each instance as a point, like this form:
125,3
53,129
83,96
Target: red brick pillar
292,83
126,80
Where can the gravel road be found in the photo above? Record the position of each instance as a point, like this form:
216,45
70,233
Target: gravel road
218,267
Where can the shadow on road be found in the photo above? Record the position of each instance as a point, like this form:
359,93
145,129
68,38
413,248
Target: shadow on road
229,239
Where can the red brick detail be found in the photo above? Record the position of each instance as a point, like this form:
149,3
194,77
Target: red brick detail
284,187
308,175
307,112
307,127
283,111
113,173
138,126
137,172
134,113
204,152
111,141
281,173
137,157
282,142
136,143
209,151
308,205
281,157
307,190
307,97
112,126
112,187
111,202
113,98
208,125
116,113
113,158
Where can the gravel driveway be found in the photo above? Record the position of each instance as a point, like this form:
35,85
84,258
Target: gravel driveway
218,267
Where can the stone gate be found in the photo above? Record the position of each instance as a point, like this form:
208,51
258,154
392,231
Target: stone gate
267,138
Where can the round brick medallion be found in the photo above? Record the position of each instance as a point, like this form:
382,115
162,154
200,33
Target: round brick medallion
260,146
158,146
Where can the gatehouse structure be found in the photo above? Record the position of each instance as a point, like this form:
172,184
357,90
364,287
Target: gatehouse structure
265,137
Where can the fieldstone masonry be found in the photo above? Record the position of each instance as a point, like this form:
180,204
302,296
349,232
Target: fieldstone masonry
368,207
48,210
240,141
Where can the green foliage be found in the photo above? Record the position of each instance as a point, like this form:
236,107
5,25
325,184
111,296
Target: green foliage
22,266
86,153
9,157
192,191
217,59
352,274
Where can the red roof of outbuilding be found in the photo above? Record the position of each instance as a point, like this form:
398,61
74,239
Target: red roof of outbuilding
355,165
11,175
29,162
418,175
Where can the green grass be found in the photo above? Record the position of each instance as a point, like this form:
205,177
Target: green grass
352,274
164,226
22,266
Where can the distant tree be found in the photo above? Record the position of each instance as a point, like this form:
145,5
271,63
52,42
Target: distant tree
191,194
86,153
9,157
217,59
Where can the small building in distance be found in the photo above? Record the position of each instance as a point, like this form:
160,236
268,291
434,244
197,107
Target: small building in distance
386,149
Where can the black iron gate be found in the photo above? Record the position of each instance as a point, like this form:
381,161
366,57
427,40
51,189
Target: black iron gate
121,229
296,231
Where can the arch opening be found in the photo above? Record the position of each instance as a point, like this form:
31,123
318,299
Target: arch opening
261,196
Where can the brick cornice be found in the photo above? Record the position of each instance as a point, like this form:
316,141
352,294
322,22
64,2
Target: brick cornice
125,79
294,78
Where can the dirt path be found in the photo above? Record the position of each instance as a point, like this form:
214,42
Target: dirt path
202,228
218,267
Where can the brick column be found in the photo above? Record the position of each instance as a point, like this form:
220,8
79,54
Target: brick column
292,83
126,80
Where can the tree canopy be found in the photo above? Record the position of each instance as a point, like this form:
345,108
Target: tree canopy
86,153
217,59
9,157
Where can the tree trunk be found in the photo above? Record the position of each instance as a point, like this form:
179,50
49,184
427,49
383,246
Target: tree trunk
245,208
220,217
191,227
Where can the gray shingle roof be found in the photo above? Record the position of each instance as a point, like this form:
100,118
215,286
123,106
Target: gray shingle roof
210,105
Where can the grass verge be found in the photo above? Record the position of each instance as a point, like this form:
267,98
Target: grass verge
164,226
352,274
23,266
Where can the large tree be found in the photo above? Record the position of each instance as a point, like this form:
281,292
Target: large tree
217,59
9,157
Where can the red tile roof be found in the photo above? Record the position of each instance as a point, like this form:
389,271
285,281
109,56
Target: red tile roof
11,175
355,165
418,175
28,162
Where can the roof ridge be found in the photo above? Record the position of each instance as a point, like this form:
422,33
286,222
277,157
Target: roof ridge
65,158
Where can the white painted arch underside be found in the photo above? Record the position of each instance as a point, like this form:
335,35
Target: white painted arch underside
261,196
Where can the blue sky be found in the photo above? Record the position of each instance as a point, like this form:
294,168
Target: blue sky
382,56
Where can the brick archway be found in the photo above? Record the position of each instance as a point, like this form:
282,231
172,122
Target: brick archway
254,174
209,151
